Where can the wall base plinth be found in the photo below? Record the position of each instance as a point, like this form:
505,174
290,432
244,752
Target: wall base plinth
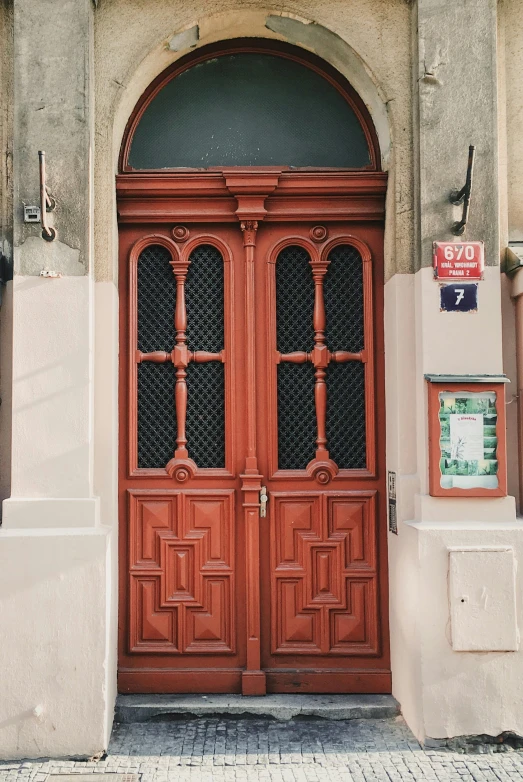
57,690
449,672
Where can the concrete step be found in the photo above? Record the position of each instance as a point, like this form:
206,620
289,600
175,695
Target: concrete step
141,708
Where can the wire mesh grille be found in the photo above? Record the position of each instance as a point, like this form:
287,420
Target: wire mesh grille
156,415
204,296
294,329
296,416
156,300
204,299
294,300
156,304
205,423
343,295
346,438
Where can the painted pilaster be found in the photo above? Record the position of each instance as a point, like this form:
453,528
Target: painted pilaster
6,241
52,374
445,692
56,702
456,97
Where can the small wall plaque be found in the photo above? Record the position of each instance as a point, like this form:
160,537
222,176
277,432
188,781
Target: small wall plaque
458,260
459,297
393,516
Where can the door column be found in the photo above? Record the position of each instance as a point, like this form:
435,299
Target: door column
251,193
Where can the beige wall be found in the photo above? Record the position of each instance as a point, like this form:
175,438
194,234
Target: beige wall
6,239
510,58
370,42
66,415
512,23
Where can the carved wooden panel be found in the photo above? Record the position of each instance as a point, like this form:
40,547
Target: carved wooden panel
324,574
181,572
215,598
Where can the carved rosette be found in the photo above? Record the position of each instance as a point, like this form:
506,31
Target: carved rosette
180,233
318,233
181,469
323,471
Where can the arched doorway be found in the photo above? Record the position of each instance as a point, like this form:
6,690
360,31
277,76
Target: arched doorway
252,472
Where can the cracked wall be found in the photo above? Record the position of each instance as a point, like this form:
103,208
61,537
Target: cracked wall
369,42
6,240
52,113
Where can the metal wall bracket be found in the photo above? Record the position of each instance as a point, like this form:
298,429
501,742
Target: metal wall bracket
462,196
47,202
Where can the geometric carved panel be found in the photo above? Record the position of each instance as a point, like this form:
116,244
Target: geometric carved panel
324,577
182,572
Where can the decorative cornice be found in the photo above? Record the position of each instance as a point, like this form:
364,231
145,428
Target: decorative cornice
226,197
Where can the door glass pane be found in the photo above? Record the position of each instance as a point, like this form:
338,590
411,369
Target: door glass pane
343,295
204,296
294,332
156,304
346,436
249,109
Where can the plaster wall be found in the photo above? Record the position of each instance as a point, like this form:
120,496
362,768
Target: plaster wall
456,84
56,592
6,239
464,693
51,406
512,17
442,692
370,43
510,26
54,600
65,386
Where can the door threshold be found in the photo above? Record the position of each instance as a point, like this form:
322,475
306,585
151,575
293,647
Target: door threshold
143,708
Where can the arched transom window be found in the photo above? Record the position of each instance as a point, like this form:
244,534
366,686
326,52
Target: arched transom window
249,108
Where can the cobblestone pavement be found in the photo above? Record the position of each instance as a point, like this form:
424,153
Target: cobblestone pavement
219,750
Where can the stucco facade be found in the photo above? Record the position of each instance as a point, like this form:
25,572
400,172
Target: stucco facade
435,76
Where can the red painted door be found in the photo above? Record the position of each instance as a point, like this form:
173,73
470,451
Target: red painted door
252,366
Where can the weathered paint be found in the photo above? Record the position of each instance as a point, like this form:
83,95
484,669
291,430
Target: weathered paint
66,343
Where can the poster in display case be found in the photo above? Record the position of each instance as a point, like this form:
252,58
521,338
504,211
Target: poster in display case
467,436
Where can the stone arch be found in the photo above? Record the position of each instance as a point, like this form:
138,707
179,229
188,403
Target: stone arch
117,98
304,33
340,114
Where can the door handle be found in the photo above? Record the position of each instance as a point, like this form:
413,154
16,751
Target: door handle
264,497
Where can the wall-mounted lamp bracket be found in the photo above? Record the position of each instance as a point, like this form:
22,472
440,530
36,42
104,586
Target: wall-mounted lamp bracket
47,202
462,196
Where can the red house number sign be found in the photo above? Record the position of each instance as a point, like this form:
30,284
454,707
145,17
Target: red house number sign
458,260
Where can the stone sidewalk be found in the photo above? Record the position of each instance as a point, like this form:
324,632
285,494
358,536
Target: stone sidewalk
308,750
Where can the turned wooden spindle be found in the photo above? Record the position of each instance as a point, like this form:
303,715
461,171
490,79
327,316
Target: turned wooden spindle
180,357
320,357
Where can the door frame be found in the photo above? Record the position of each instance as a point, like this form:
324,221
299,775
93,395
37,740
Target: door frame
246,197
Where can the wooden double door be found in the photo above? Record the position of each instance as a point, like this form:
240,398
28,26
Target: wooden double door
253,531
